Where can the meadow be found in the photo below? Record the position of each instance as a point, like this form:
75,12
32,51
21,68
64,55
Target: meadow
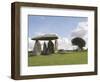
68,58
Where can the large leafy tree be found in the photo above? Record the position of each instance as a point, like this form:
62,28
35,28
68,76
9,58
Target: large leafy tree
79,42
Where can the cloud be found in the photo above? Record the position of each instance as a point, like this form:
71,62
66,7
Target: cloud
81,30
45,33
30,44
65,43
39,33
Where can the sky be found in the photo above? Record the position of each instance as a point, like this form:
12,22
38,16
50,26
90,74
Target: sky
66,27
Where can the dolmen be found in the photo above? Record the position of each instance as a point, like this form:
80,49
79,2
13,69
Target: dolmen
48,48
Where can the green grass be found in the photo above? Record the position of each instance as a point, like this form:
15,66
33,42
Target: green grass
79,57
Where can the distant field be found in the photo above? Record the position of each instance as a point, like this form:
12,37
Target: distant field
68,58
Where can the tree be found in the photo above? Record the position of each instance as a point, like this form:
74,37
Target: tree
79,42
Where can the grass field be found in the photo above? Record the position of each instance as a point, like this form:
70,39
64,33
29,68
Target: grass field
69,58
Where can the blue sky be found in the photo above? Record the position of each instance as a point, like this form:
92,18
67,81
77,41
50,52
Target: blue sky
61,25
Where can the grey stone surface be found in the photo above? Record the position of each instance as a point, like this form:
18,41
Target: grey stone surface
37,48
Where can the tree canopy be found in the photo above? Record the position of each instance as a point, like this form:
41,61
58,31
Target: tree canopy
79,42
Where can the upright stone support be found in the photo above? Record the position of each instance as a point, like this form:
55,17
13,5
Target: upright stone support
44,52
56,45
37,48
50,47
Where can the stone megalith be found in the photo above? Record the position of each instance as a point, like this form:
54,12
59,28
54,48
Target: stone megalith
50,47
44,52
56,46
37,48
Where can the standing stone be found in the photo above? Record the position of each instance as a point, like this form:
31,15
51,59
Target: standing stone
37,48
56,45
44,52
50,47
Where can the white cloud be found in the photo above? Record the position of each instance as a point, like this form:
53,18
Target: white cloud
65,43
30,44
44,33
81,30
38,33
